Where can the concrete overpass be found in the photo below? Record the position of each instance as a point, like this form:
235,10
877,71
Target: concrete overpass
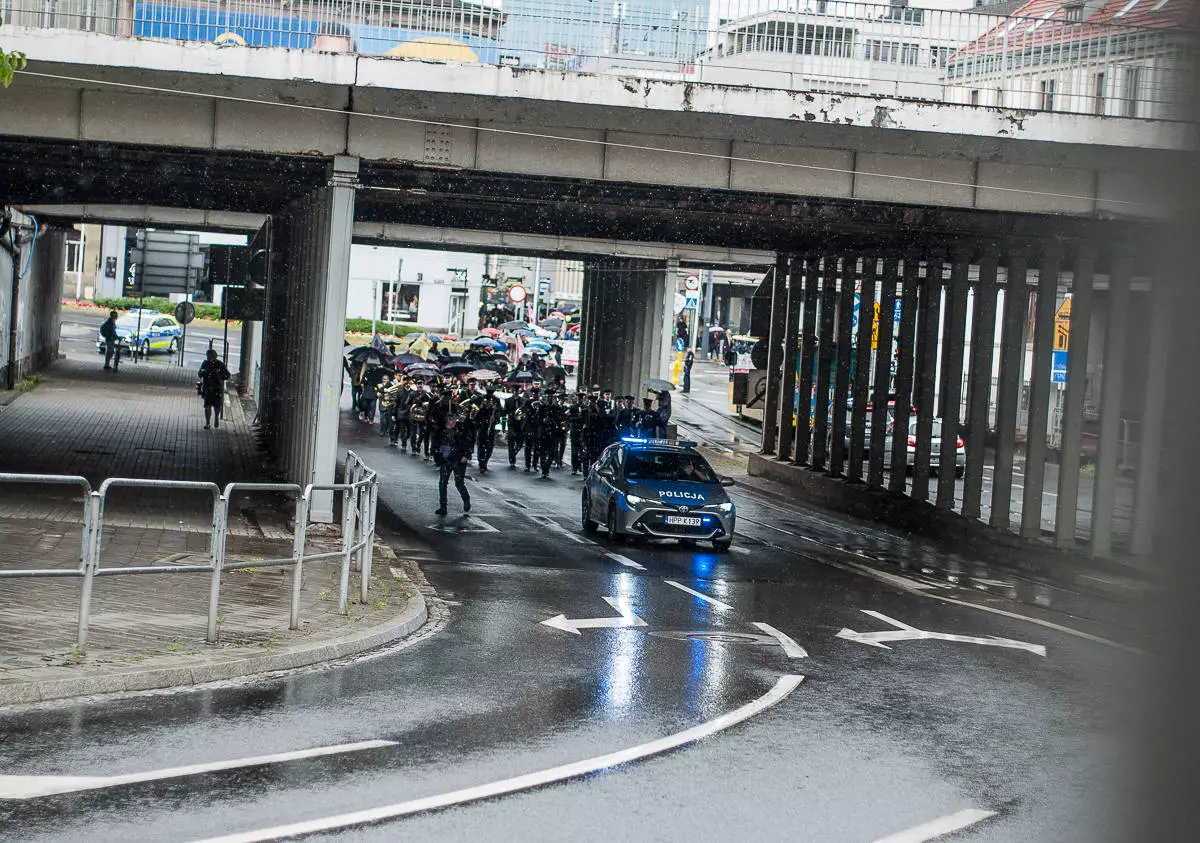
932,201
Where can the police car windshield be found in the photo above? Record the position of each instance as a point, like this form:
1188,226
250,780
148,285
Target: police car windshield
667,465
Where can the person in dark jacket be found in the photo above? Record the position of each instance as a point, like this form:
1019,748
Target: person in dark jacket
401,405
514,415
455,443
664,413
688,360
485,424
108,330
210,383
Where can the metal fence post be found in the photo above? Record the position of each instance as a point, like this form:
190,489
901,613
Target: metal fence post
219,530
348,506
94,526
301,533
368,537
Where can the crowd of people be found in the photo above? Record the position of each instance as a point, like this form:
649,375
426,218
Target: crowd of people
454,421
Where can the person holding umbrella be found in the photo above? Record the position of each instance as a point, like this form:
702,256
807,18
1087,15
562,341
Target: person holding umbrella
485,421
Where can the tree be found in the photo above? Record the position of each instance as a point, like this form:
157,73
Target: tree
10,63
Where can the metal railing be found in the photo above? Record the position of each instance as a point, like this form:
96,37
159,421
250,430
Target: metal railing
360,495
1047,63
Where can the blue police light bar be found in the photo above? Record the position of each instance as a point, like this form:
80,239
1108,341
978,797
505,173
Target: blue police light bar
634,440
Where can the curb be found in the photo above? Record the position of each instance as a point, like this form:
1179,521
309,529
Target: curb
288,658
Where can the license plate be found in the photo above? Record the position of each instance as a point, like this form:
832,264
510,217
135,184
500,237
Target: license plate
682,521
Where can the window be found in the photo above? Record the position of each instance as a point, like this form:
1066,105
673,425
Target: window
667,467
999,98
1133,90
903,14
891,51
975,97
74,256
1073,12
1047,103
1098,94
939,56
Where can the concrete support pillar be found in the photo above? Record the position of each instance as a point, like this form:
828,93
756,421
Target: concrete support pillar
808,350
1111,396
1039,392
860,386
1066,517
775,354
904,371
841,382
1008,395
1152,420
926,366
628,323
954,344
790,291
983,339
883,371
591,313
825,340
250,359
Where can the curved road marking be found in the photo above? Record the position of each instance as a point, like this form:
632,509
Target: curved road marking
790,648
782,688
939,827
31,787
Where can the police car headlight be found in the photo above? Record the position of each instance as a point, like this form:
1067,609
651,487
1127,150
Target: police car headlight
726,507
634,500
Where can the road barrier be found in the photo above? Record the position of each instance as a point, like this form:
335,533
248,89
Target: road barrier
360,496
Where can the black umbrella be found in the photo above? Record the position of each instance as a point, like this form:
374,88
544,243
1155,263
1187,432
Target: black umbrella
552,322
522,377
362,353
512,326
457,368
406,359
568,309
422,368
554,373
658,385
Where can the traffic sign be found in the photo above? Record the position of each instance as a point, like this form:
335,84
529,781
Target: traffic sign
185,312
516,293
1058,367
1062,326
692,282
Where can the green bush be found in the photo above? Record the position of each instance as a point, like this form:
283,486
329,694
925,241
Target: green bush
387,329
161,304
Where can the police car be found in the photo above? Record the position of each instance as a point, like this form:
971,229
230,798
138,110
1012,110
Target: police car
146,330
658,488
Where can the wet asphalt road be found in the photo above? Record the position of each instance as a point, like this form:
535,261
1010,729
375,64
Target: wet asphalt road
872,742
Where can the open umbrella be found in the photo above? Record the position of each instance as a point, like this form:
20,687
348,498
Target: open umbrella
521,377
554,373
658,385
513,326
491,332
569,309
538,344
538,350
457,368
484,375
551,323
715,329
365,354
406,359
483,341
421,368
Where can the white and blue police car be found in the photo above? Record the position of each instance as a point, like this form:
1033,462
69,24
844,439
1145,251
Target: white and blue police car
658,488
145,331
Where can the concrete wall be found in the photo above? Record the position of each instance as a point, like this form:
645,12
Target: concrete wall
30,300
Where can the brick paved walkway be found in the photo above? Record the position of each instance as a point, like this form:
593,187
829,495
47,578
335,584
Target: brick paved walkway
148,630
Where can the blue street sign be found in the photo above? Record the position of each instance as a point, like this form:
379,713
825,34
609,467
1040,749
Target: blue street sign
679,344
1058,367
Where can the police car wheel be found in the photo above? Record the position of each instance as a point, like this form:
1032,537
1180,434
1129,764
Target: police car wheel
173,347
589,526
613,532
722,545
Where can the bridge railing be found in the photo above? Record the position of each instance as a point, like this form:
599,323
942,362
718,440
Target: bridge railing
360,495
1047,63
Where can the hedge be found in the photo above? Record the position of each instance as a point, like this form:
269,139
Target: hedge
213,311
387,329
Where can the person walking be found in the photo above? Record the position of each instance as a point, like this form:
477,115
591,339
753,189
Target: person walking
108,330
418,415
664,412
688,360
210,383
455,442
485,423
514,414
385,393
551,422
400,414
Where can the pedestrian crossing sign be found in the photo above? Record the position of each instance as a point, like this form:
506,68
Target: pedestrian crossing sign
1062,326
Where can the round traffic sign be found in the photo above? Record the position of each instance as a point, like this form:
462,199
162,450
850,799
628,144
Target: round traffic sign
185,312
516,293
692,282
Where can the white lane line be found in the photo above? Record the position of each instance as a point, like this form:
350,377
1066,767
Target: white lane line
550,524
741,550
790,648
784,686
32,787
939,827
695,593
626,561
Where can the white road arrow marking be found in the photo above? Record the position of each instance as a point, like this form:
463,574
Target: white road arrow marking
694,593
904,632
784,686
628,618
939,827
626,561
790,648
31,787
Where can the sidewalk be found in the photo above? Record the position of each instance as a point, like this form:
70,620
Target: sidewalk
148,630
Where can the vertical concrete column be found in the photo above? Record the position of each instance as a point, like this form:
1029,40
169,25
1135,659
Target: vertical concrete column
775,354
790,291
1066,517
954,342
1008,395
624,331
1152,419
983,340
1039,392
862,369
588,329
643,318
670,282
656,341
338,205
808,351
926,365
883,371
904,370
841,383
825,340
1116,333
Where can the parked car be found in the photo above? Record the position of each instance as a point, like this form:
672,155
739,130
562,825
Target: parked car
935,447
145,331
